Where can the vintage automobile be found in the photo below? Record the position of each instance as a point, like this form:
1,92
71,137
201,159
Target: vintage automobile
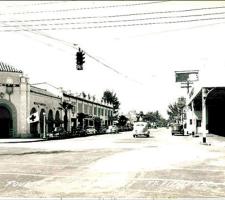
90,130
102,130
112,129
58,132
80,131
177,129
141,129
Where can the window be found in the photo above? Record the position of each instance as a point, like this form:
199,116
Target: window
190,121
85,108
199,122
90,109
80,110
99,111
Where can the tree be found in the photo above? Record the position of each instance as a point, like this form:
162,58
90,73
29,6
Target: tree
175,110
110,97
80,118
66,106
97,123
150,117
122,120
156,118
140,115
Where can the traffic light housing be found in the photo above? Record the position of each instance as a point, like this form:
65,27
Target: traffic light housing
80,56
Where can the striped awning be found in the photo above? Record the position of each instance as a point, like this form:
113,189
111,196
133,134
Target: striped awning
7,68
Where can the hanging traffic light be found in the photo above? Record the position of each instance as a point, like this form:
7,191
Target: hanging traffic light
80,59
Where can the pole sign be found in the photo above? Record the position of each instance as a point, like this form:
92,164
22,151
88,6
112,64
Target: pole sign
186,76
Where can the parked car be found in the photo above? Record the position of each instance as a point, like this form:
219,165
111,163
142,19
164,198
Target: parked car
80,131
177,129
141,129
112,129
90,130
102,130
58,132
121,128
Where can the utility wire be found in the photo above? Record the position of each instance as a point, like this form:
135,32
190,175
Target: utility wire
84,8
36,4
69,44
113,21
113,26
114,16
177,29
111,68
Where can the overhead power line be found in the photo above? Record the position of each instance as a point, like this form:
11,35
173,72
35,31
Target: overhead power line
112,26
114,21
119,15
69,44
36,4
83,8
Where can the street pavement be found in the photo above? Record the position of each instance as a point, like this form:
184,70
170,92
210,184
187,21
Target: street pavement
114,166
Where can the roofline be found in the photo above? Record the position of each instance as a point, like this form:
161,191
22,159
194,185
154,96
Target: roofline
8,68
88,101
198,90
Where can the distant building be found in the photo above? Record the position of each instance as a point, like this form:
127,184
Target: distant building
132,116
19,100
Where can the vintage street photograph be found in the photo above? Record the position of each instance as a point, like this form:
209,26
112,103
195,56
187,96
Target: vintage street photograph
112,100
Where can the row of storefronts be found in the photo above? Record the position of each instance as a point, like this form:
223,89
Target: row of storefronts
19,100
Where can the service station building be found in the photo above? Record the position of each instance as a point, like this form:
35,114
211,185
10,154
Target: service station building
206,110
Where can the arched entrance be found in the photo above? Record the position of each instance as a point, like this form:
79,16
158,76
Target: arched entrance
215,103
65,120
34,126
6,125
57,119
42,121
50,121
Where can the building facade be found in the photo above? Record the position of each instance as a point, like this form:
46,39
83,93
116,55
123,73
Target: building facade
206,110
19,100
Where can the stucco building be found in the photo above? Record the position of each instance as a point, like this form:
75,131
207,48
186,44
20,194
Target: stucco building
19,99
205,110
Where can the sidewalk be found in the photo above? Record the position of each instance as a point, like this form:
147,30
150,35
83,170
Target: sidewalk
21,140
214,140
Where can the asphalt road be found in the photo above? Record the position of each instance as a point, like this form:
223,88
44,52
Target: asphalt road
114,166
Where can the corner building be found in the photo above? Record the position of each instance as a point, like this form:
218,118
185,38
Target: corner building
19,99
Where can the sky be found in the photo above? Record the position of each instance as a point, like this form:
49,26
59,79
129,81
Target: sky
133,48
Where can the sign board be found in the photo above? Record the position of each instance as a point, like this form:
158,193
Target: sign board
184,76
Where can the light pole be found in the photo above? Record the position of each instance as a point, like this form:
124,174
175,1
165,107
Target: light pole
44,134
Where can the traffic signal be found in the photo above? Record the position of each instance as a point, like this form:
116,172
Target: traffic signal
80,59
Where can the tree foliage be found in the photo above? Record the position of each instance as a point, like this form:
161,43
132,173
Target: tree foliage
122,120
175,110
155,117
110,97
152,117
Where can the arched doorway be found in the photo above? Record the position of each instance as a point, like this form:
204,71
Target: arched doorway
34,126
57,119
50,121
42,121
65,120
215,103
6,125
